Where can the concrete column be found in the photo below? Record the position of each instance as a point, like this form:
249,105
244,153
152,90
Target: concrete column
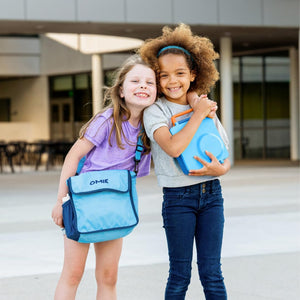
227,91
299,92
97,83
294,104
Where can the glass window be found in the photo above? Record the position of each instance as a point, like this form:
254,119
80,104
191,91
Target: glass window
62,83
78,88
81,82
251,107
261,106
277,69
236,69
54,113
83,108
252,69
5,110
277,107
66,113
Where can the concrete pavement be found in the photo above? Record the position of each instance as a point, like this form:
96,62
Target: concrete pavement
261,249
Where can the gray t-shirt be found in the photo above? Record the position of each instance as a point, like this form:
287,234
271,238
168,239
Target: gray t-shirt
167,170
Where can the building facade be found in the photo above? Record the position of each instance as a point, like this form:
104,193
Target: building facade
50,84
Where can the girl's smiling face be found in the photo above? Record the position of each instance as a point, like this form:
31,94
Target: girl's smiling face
174,77
139,87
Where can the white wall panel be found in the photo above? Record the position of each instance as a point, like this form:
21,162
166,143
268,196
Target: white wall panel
152,11
13,45
222,12
240,12
113,60
12,9
17,131
101,11
51,10
59,59
196,11
281,12
30,106
19,65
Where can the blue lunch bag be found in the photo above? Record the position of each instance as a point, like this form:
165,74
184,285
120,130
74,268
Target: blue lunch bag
103,206
207,138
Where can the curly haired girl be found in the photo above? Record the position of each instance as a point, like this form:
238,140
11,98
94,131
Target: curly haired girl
193,204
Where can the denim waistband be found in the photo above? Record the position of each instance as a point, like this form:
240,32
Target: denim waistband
206,185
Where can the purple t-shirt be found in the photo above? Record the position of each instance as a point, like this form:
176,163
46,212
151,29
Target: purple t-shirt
106,157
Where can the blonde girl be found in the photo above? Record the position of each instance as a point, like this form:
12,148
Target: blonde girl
108,141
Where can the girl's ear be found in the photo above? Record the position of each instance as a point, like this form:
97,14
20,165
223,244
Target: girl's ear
193,76
121,92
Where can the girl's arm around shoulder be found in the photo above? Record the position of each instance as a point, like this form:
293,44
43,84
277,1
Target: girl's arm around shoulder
80,148
213,168
175,144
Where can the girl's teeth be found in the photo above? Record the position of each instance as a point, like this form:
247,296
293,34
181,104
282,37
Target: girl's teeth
141,95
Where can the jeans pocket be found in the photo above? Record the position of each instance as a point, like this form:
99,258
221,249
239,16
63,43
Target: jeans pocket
213,194
172,196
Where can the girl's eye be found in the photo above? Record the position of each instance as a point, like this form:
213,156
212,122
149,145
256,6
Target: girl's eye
163,75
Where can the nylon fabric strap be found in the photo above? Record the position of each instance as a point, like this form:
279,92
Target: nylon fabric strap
138,153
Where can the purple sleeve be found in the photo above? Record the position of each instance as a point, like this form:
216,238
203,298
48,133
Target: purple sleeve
98,130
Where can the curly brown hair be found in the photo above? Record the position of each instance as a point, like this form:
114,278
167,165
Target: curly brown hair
200,60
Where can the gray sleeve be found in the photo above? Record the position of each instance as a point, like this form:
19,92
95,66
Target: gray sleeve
154,118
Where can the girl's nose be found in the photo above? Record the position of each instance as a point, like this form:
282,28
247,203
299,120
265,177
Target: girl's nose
143,85
172,78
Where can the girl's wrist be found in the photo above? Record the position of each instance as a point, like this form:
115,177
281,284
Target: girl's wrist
200,114
60,199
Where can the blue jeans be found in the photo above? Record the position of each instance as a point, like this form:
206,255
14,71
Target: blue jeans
194,213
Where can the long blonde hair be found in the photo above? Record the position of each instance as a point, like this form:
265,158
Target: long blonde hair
120,111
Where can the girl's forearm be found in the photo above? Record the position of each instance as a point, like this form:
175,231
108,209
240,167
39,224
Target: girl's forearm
69,169
226,165
202,107
78,150
176,144
182,139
